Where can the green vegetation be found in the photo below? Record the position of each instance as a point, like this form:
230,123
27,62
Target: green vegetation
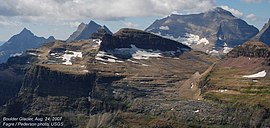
239,90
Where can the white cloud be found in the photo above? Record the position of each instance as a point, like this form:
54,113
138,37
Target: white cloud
7,23
73,24
233,11
63,10
255,1
130,25
251,17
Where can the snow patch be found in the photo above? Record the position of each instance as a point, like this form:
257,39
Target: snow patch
227,50
86,71
16,54
188,39
33,54
139,54
197,111
164,28
257,75
97,41
213,52
192,39
69,55
103,56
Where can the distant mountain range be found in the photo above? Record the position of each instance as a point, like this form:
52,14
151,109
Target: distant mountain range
85,31
214,31
17,44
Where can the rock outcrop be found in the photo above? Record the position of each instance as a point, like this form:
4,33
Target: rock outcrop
251,49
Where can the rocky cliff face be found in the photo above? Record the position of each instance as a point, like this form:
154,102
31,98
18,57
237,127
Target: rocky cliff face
217,28
19,43
11,76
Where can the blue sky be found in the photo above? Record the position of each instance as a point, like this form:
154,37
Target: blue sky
60,18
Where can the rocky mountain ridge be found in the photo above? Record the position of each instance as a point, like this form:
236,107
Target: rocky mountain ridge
85,31
19,43
214,31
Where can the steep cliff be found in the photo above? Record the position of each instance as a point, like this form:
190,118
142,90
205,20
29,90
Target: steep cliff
11,76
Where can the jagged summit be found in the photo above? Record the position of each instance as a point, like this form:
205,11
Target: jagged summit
85,31
264,34
26,32
51,38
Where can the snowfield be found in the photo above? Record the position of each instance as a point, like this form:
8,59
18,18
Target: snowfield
189,39
164,28
227,50
139,54
69,55
257,75
109,58
16,54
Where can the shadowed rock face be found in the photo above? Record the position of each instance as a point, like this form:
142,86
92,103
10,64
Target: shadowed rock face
21,42
264,34
75,34
11,76
218,26
124,38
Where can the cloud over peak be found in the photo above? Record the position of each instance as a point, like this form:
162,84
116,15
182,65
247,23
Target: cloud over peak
233,11
62,10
